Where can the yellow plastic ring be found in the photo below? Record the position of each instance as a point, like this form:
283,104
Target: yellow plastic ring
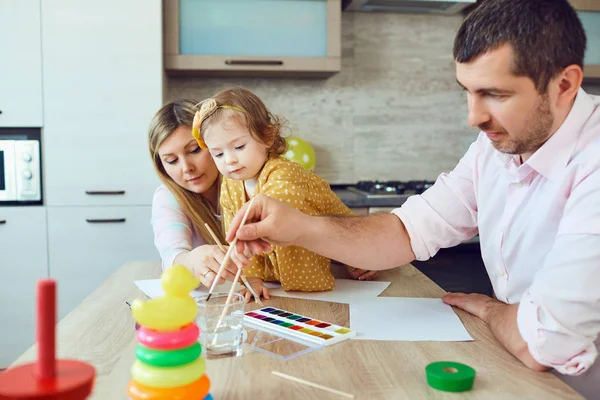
167,377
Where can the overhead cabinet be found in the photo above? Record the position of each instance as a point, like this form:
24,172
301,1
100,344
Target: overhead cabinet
252,37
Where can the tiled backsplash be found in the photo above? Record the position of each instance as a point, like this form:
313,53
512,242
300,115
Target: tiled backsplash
394,112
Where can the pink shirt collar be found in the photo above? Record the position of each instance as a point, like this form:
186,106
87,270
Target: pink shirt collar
555,154
550,159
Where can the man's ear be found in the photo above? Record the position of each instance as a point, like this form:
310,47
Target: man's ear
569,82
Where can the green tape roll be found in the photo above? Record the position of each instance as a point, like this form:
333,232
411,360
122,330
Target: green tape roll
450,376
168,358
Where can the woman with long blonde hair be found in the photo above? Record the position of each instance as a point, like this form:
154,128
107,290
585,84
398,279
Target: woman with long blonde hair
188,197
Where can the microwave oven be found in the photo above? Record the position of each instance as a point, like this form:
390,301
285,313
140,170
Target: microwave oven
20,167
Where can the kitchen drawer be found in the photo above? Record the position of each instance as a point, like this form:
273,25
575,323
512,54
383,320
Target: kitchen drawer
87,244
100,174
23,260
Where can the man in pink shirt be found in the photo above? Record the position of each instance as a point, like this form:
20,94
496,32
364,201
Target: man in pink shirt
529,186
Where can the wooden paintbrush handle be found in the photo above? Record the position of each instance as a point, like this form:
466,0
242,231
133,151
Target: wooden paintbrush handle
228,301
228,254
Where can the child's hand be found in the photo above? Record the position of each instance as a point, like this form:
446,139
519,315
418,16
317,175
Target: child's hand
259,289
239,259
361,274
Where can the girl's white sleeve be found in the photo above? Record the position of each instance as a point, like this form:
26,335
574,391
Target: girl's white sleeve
173,233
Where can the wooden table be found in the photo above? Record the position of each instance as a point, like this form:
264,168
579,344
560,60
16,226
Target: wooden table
101,331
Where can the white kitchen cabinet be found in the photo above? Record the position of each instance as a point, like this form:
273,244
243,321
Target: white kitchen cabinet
20,65
23,260
88,244
103,82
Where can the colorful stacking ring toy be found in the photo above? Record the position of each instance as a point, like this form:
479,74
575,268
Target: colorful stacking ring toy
168,340
168,358
193,391
168,377
169,363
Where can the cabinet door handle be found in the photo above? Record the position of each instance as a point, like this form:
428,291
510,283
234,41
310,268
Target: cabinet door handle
104,192
104,221
253,62
2,221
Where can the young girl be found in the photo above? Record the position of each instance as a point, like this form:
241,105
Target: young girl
245,140
188,197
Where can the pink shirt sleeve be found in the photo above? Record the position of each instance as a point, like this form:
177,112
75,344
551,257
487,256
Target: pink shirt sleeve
172,229
445,214
559,314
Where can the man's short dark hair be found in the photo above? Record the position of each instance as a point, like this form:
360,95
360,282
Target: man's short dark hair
546,36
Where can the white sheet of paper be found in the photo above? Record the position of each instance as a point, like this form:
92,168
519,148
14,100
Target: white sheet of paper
346,291
408,319
152,288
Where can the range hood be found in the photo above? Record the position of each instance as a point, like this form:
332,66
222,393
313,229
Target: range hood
408,6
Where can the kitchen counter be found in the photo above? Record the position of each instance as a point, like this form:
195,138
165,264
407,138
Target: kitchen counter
353,199
101,331
371,204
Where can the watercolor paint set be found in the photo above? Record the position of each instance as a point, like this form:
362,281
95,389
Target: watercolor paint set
297,327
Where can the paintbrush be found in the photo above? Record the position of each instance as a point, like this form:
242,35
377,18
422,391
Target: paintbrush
227,304
246,283
312,384
228,254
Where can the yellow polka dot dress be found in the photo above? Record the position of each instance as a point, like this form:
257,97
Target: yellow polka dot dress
294,267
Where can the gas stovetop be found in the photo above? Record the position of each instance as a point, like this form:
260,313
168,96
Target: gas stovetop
377,189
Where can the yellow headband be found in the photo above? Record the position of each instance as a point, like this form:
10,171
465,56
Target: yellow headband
207,109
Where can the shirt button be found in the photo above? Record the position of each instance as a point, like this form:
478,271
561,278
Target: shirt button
501,273
520,184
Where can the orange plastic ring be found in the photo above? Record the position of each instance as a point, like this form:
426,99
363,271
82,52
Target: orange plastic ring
193,391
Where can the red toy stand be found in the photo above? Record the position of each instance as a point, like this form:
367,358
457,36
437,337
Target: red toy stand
47,378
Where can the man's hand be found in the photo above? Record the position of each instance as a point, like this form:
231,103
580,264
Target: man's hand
476,304
502,320
269,222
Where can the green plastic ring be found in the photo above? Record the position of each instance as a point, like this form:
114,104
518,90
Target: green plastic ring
168,358
450,376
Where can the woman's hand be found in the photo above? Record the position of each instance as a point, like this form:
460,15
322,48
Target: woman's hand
259,288
205,261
